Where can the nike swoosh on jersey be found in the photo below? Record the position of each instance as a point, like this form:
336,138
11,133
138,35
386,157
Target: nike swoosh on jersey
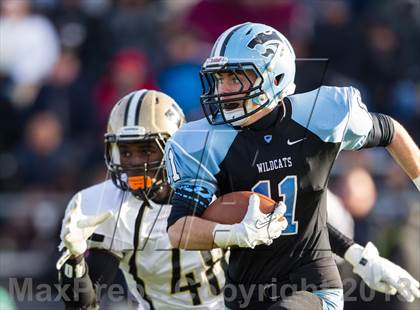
294,142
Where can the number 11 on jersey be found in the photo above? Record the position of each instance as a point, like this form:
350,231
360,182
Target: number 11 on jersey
287,189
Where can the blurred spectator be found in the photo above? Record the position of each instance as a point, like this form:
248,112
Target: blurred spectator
358,192
181,82
405,19
180,78
396,200
29,49
406,98
87,35
45,160
336,38
10,122
67,95
406,93
136,24
128,70
381,65
214,17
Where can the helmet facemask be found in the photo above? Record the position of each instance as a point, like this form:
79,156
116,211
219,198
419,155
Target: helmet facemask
231,107
145,181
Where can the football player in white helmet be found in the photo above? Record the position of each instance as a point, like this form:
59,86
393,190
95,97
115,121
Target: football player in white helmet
122,222
272,141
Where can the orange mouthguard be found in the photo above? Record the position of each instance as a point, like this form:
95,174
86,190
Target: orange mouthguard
139,182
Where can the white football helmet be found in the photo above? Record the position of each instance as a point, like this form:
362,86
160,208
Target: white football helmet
247,47
141,116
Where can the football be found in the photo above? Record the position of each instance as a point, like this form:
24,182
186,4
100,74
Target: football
231,208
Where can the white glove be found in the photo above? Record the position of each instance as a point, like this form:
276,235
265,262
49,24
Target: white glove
256,227
381,274
77,228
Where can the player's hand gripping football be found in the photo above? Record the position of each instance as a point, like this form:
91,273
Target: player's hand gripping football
380,274
77,228
256,227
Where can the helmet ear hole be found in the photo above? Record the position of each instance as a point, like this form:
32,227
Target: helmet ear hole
278,79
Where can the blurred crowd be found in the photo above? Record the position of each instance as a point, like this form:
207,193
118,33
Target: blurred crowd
64,63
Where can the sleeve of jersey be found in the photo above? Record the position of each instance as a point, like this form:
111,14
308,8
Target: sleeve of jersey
359,121
340,243
334,114
191,169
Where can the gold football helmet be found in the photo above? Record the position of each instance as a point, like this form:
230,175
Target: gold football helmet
143,116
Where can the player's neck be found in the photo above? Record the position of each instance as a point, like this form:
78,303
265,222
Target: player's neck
269,120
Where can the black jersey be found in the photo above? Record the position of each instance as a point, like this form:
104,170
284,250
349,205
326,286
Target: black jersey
289,161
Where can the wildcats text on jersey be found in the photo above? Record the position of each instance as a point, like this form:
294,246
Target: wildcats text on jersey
279,163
